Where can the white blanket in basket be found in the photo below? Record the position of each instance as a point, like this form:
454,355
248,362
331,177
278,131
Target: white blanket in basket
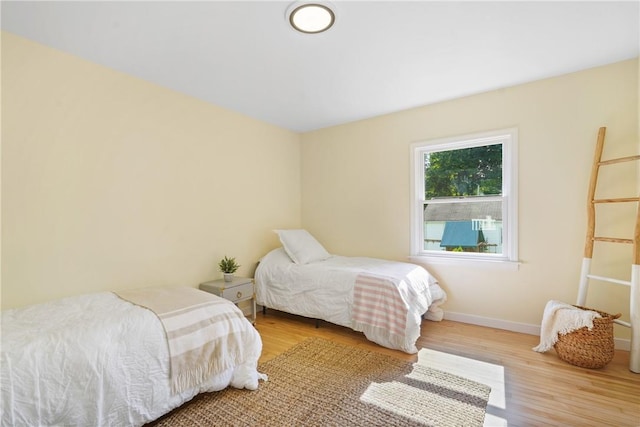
562,318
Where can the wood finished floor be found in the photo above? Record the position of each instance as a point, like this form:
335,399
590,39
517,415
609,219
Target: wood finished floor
540,389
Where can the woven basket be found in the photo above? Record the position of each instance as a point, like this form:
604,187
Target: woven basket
588,348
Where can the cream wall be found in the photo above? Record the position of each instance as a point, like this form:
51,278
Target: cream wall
356,181
110,182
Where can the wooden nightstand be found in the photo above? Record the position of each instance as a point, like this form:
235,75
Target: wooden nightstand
239,290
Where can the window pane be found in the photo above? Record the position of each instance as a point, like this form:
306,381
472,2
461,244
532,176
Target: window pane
464,226
471,171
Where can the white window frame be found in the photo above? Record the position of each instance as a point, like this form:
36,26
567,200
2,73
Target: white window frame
509,197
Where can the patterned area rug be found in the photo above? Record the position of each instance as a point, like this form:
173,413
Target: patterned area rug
322,383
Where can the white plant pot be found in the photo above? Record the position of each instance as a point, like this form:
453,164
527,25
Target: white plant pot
228,277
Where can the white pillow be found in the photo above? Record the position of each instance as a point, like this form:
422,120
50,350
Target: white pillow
301,246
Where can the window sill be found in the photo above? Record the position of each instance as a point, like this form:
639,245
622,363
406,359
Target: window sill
467,262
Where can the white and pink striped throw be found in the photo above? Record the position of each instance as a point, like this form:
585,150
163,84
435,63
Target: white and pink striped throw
378,303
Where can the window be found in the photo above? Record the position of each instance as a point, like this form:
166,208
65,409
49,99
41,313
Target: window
464,197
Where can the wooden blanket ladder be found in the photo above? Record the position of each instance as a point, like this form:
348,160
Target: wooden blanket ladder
586,276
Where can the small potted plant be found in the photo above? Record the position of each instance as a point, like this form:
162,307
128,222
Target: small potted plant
228,266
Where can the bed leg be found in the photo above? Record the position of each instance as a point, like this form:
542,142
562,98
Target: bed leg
317,323
264,310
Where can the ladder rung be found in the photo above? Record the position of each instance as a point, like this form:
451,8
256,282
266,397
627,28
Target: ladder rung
612,240
609,279
622,322
618,200
620,160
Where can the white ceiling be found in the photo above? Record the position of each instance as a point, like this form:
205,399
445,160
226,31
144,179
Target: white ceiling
380,57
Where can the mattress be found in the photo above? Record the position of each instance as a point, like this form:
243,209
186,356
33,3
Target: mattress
325,290
94,360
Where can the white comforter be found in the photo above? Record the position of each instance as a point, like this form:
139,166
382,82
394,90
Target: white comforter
324,290
93,360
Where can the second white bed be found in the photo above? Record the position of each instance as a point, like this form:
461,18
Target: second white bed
325,290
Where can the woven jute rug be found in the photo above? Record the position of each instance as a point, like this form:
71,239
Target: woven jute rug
322,383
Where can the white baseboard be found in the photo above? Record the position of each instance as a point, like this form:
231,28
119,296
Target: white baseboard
622,344
524,328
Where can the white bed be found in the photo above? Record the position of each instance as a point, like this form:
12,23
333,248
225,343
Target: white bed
101,361
303,279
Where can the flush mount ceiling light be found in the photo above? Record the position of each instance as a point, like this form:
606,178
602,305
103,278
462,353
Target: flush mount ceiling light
311,18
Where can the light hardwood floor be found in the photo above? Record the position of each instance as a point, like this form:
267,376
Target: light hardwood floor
540,389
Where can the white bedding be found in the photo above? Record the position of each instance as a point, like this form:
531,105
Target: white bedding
324,290
93,360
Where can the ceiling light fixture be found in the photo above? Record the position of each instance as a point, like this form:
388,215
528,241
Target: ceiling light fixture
311,18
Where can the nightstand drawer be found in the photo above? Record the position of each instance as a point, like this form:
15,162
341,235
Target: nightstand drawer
238,292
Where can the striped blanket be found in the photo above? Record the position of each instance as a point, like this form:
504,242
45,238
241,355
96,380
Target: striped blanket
377,303
206,334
